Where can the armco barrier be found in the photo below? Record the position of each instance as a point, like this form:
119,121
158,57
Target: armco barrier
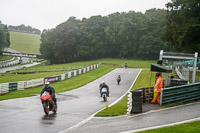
69,74
62,77
12,86
72,74
33,83
183,93
4,88
21,85
66,76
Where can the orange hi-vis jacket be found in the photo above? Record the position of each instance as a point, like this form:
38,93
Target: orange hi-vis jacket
159,83
157,90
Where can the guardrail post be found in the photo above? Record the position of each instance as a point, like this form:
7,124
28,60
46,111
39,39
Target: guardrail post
161,95
194,67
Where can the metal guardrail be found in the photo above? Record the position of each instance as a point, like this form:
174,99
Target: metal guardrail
183,93
179,73
21,85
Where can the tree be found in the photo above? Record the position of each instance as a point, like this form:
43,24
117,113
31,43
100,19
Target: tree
183,25
4,38
47,45
150,42
114,31
118,35
92,42
59,45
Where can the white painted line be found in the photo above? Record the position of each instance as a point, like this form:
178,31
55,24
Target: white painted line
90,117
160,126
127,91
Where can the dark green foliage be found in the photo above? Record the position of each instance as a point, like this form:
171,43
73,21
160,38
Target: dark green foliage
59,45
4,37
183,25
23,28
118,35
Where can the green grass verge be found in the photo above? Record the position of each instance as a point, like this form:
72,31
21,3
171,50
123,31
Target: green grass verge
6,77
107,65
121,107
56,69
53,70
66,85
25,43
2,58
192,127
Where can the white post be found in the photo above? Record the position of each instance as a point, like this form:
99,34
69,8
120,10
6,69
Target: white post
194,67
161,54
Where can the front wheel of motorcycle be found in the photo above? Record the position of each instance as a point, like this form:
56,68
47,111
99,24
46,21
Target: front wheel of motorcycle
55,109
46,109
104,98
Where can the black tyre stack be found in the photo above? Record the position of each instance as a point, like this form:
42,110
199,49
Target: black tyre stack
137,101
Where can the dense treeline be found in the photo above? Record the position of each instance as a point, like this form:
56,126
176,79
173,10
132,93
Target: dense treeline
126,35
183,25
25,29
118,35
4,37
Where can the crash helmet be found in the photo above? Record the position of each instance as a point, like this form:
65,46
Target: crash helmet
47,83
103,83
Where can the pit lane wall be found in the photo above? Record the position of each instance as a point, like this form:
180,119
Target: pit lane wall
21,85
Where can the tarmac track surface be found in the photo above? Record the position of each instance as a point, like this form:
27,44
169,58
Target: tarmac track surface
26,114
146,121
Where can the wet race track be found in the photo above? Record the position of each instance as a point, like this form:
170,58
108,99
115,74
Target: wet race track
26,114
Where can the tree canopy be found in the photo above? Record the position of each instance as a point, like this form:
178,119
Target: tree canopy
23,28
183,25
4,37
118,35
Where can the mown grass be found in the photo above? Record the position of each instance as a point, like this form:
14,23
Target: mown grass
121,107
66,85
5,58
64,68
4,78
106,66
193,127
24,42
131,63
47,70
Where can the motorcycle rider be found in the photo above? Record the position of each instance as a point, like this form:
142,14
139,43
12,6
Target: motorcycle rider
104,85
51,90
118,78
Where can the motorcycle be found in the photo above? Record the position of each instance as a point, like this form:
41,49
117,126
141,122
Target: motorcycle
104,94
118,80
48,103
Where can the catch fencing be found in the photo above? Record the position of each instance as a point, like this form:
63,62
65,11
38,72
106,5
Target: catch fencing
21,85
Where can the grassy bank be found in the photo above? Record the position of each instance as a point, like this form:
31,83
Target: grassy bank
66,85
106,66
121,107
192,127
42,71
2,58
24,42
64,68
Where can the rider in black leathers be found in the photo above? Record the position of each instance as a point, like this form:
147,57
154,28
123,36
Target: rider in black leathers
118,79
104,85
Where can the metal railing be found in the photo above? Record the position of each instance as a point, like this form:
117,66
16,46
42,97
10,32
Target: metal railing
180,94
